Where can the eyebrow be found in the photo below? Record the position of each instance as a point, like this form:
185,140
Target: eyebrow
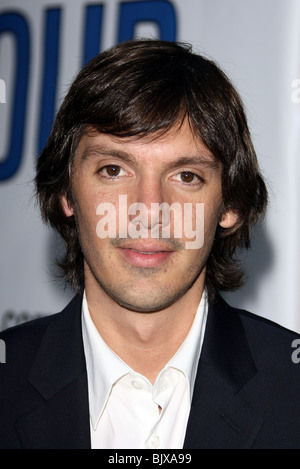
209,162
95,151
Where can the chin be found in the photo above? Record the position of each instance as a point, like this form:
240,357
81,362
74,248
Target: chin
148,304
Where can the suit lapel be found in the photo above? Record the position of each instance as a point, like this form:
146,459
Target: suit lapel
219,417
59,376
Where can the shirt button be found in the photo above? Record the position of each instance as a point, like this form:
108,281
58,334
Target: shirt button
154,441
137,384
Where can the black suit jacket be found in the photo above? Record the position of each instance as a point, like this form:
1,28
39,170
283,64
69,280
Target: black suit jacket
246,395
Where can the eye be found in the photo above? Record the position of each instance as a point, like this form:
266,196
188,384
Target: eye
188,177
111,171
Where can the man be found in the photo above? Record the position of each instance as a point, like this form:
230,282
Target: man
150,177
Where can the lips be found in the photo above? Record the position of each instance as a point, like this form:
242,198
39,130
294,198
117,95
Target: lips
146,254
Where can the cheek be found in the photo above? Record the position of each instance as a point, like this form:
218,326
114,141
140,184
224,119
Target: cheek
97,218
212,213
85,216
200,221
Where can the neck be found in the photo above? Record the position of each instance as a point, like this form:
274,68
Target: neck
144,341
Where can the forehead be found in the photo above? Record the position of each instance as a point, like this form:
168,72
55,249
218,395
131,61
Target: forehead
179,142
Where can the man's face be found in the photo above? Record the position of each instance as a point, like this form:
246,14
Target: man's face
136,265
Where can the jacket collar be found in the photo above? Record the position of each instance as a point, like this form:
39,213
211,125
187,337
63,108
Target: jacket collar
219,417
60,358
59,376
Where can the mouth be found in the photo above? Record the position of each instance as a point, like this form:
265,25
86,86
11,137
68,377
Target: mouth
146,255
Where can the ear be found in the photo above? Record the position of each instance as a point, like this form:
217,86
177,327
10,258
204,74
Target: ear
229,219
66,206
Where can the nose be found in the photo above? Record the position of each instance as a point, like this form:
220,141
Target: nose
150,191
149,196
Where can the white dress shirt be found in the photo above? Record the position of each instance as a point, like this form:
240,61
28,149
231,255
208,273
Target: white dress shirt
126,410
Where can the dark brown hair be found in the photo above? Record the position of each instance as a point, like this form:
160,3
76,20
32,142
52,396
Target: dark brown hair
144,87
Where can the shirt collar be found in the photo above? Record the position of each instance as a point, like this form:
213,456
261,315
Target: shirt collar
187,356
104,367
